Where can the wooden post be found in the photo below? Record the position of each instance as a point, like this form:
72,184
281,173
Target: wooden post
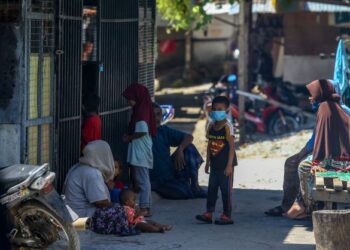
331,229
188,54
245,13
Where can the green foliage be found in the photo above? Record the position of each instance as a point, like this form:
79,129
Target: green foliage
186,14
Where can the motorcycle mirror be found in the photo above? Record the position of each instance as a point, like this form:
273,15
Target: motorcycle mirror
236,54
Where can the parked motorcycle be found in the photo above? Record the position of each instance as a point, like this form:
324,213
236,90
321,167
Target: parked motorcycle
168,113
260,116
37,214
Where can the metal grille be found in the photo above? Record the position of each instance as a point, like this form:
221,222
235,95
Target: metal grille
146,43
69,82
10,10
118,54
39,20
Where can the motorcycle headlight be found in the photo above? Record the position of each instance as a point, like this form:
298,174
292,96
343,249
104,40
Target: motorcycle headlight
43,181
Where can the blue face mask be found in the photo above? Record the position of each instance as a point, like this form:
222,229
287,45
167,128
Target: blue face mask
315,106
217,116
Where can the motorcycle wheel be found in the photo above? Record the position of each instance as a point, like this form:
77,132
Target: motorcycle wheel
277,126
46,227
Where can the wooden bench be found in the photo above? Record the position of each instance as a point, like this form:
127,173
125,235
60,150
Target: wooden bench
331,191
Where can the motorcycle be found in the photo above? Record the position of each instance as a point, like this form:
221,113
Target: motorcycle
259,116
168,113
37,214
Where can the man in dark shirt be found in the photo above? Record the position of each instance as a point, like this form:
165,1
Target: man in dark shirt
174,176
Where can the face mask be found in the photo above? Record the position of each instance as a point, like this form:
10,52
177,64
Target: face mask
217,116
315,106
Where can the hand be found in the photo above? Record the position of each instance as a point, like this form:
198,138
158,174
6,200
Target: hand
206,169
228,170
110,184
315,169
179,160
126,138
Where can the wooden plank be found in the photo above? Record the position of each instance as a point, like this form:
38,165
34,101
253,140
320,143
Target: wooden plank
348,186
337,184
331,195
319,183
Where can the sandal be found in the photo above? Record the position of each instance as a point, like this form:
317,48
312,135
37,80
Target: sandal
276,211
206,217
224,220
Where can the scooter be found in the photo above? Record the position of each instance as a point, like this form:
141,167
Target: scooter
36,213
168,113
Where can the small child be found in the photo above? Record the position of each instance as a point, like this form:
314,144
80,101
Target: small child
221,158
115,186
140,156
128,200
91,127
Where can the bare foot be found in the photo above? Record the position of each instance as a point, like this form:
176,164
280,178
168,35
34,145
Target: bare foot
167,227
296,211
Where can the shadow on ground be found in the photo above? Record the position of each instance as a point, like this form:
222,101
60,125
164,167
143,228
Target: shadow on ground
252,229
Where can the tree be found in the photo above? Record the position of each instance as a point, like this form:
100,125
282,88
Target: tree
186,14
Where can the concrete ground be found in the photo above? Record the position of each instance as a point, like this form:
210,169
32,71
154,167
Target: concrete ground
257,187
258,183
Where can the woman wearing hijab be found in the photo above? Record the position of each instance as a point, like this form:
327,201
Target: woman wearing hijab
87,194
331,149
142,127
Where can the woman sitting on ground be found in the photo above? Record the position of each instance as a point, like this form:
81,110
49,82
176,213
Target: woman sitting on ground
331,148
87,194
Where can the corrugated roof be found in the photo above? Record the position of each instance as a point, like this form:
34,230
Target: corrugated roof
267,7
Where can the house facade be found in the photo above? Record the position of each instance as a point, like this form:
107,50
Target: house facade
54,52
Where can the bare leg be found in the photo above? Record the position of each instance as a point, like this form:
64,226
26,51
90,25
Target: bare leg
147,227
164,227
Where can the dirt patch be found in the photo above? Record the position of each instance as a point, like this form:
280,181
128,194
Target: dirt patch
263,147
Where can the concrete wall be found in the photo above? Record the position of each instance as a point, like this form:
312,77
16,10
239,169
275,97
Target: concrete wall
214,43
304,69
12,80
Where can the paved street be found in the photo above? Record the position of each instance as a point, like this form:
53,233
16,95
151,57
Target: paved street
259,180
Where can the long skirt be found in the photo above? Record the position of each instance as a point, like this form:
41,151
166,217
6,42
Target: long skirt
110,220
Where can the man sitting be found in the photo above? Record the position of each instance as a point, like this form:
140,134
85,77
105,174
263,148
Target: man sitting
174,176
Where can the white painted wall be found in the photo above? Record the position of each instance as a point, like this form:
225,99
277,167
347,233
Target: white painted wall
299,69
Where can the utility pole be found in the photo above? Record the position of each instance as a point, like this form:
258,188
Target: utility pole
245,17
188,54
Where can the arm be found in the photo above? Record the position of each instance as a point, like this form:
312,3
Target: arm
179,153
207,162
129,138
229,166
102,203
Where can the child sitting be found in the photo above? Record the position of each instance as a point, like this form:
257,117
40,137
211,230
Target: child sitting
128,200
221,158
116,185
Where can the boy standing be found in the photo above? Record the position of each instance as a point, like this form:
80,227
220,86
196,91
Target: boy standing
221,158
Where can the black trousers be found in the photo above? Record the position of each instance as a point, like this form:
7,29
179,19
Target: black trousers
217,179
291,183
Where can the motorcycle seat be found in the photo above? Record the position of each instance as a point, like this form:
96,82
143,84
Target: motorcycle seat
12,175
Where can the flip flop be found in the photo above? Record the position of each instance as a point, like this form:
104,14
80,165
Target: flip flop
275,212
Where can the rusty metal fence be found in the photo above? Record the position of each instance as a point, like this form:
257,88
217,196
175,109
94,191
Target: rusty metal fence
39,92
53,93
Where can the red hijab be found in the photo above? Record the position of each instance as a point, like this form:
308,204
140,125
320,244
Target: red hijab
142,111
